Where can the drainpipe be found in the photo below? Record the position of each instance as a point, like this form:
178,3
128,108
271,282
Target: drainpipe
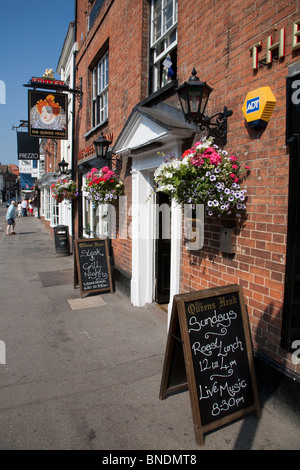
73,124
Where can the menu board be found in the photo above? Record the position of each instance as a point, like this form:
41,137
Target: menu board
92,266
209,350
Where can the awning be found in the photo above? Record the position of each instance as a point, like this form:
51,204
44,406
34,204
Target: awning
27,181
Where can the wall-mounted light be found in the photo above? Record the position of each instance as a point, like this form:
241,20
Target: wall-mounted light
101,147
63,167
103,153
193,96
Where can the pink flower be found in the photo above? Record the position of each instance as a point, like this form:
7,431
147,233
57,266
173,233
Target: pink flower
93,170
197,160
235,167
233,176
105,169
247,167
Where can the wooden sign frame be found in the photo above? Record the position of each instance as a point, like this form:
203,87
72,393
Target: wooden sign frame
179,370
77,268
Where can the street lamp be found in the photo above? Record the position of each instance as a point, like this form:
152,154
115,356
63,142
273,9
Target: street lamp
193,97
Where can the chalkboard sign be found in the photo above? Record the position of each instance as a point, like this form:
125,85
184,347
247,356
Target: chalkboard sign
92,266
209,351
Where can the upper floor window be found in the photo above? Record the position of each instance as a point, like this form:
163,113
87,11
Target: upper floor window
163,42
100,91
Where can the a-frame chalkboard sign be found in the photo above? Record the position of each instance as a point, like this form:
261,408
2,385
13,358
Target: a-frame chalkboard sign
92,266
209,352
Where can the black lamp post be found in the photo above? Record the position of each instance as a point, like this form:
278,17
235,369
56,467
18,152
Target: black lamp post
63,167
193,97
101,147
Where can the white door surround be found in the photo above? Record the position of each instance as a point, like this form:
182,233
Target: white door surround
141,132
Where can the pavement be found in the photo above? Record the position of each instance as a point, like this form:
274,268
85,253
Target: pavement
85,373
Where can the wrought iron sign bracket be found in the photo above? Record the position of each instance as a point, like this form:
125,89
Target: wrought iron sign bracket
57,86
217,125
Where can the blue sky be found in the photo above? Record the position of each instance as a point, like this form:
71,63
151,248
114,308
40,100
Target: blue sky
32,33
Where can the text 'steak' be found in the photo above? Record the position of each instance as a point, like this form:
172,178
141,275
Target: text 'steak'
92,266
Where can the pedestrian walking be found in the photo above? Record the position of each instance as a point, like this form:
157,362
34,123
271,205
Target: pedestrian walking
10,217
30,207
24,207
19,209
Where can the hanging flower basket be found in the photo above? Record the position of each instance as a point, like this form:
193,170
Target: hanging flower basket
64,189
103,186
205,175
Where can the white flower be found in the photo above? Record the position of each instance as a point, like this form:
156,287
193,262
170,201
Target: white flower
176,164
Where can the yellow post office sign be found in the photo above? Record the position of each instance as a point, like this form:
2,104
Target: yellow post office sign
258,107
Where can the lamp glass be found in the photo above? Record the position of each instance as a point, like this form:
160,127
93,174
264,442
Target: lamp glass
193,98
63,165
101,146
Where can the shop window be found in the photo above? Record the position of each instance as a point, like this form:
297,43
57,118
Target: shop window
54,210
42,207
163,43
100,91
54,213
47,203
95,223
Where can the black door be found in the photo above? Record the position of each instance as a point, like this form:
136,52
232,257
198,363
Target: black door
291,313
163,249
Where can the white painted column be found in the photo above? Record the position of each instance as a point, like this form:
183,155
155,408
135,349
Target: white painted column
176,231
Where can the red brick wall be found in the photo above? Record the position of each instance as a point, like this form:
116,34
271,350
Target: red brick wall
52,155
216,38
124,27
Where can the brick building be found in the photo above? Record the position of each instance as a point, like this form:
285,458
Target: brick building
131,58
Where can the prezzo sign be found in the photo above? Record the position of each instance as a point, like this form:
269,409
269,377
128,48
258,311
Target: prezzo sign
28,156
252,105
28,147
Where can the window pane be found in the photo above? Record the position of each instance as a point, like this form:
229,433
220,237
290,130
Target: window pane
94,82
168,15
164,41
100,92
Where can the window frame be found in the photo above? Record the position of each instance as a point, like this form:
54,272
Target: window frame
159,78
100,83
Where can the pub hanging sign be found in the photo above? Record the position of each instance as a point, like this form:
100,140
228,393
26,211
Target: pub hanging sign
47,114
